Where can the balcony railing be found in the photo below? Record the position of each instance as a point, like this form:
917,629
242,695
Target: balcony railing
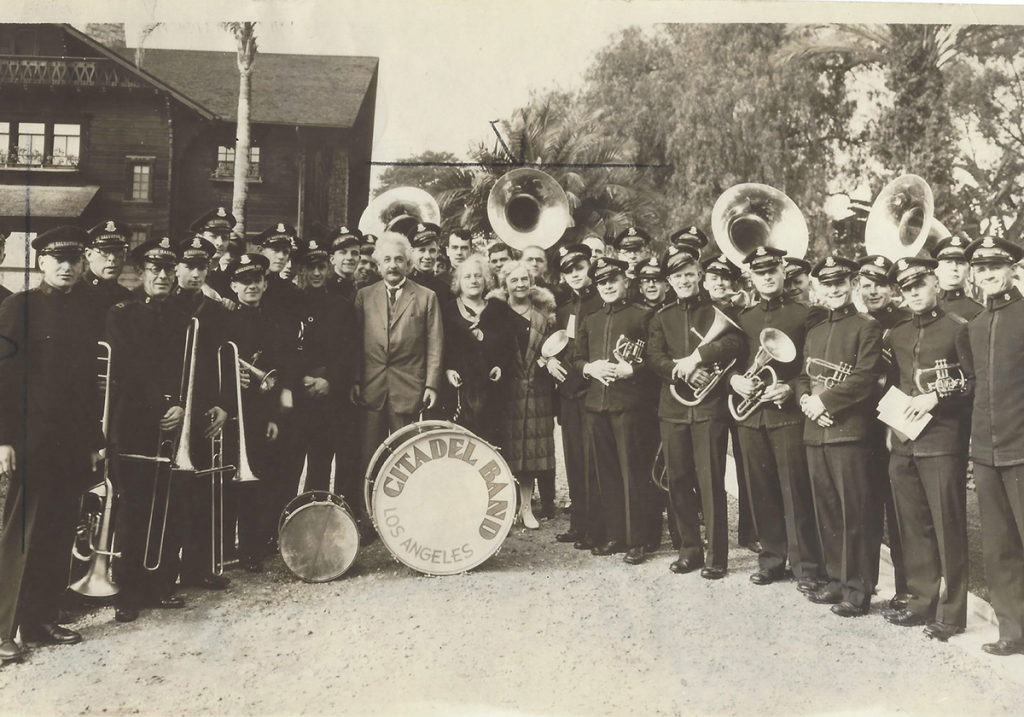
64,72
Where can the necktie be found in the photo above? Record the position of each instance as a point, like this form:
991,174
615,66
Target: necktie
392,295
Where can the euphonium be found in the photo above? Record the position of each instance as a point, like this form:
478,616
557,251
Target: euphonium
97,529
828,374
775,346
942,383
684,391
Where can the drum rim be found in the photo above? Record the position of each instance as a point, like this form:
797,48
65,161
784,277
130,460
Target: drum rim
515,490
368,479
342,505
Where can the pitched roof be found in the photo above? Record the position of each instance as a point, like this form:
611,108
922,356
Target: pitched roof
317,90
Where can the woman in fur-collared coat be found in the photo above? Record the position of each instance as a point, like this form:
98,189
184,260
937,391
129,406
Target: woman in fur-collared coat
525,411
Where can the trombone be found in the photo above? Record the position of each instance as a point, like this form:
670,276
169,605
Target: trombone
828,374
242,472
775,346
96,528
687,393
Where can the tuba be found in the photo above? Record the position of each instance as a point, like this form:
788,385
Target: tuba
408,204
527,207
902,219
939,379
243,473
684,391
827,374
748,216
96,530
775,346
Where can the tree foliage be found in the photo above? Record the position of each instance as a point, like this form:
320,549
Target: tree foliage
419,171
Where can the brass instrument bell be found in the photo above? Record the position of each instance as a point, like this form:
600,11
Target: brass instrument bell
748,216
527,207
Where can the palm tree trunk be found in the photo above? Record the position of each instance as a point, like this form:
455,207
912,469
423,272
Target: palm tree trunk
245,36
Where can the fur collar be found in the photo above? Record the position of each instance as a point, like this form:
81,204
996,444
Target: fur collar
542,299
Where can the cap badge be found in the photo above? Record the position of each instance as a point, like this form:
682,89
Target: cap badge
673,250
761,251
631,232
197,243
165,243
956,241
563,251
313,245
830,261
420,228
111,227
602,263
880,261
903,264
245,259
344,230
221,212
988,243
692,230
652,262
280,227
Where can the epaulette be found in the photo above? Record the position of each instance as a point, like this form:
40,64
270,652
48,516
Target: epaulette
958,318
666,306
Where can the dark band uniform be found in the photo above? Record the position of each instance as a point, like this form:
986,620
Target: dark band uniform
882,509
108,236
147,340
694,438
586,523
746,534
282,295
929,473
325,350
50,414
955,301
264,332
622,425
839,456
632,239
221,222
771,439
997,443
421,235
340,239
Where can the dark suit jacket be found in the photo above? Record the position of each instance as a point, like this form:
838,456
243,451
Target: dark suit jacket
398,361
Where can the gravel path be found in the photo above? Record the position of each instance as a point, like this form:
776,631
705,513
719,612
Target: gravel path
540,629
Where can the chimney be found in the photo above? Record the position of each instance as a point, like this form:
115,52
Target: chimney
110,34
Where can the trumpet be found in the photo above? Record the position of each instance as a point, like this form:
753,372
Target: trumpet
96,529
242,471
942,383
828,374
687,393
267,379
775,346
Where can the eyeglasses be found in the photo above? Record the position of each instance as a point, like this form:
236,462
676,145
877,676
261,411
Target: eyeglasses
648,280
158,270
111,253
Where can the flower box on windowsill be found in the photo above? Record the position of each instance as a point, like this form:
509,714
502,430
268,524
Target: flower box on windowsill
39,163
226,173
56,168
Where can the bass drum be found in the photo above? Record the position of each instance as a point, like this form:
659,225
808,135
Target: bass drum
386,449
442,500
318,536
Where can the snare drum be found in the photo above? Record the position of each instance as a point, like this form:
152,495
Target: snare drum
318,536
442,499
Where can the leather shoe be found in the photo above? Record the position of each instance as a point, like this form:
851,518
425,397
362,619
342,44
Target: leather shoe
753,546
905,618
609,548
1004,648
126,614
899,601
635,556
583,544
809,585
942,631
10,650
824,596
712,573
50,634
685,565
208,582
570,536
168,602
765,576
848,609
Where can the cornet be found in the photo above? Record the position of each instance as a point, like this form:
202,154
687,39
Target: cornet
775,346
828,374
942,382
629,351
684,391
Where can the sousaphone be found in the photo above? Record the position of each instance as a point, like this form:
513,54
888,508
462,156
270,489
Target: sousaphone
749,216
901,219
411,202
527,207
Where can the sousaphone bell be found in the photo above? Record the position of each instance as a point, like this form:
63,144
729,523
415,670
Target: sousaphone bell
411,202
902,219
749,216
527,207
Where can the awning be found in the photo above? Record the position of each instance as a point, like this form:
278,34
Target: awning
34,201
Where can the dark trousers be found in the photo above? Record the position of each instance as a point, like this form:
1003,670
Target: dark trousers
348,479
695,457
260,502
931,504
197,513
1001,500
623,455
40,519
570,418
377,426
315,442
746,533
882,515
841,481
594,509
138,584
775,462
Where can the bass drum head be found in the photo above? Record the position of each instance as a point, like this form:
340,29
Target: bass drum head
444,502
318,536
384,450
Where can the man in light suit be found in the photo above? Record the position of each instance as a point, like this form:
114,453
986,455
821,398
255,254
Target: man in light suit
400,363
